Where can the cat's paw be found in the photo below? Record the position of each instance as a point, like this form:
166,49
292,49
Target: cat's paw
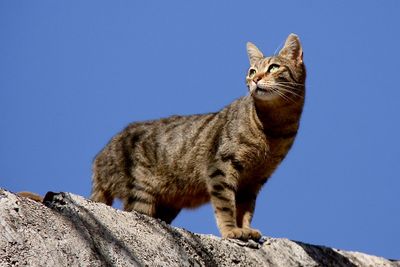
242,234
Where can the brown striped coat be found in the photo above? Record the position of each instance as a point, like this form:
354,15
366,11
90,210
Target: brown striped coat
159,167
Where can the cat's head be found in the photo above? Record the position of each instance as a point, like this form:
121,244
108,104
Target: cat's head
278,79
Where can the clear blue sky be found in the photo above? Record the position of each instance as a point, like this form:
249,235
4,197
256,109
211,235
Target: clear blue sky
74,73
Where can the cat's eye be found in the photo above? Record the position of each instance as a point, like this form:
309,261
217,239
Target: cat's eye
252,72
273,68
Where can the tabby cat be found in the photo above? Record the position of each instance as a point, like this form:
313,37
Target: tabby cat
159,167
30,195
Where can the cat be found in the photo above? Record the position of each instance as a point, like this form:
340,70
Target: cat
31,196
160,166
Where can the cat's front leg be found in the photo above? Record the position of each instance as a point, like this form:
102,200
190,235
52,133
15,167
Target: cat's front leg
245,204
222,187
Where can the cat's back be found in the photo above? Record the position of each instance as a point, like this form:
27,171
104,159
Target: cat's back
172,132
168,141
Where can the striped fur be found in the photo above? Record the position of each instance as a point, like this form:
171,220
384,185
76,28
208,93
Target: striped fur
159,167
30,195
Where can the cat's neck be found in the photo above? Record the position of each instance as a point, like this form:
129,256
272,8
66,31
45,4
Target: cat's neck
278,117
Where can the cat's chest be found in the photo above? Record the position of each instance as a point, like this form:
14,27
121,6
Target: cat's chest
262,160
278,148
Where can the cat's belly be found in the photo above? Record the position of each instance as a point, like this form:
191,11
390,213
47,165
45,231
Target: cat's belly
195,201
185,193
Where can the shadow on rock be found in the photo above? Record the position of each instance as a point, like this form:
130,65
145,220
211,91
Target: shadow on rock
325,256
98,236
187,245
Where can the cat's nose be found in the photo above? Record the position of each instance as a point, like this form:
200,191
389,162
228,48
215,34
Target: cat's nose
257,77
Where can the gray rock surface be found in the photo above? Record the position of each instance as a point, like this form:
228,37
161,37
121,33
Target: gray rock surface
72,231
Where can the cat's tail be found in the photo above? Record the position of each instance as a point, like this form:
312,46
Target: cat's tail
99,193
31,195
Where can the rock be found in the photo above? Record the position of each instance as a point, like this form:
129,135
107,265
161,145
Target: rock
68,230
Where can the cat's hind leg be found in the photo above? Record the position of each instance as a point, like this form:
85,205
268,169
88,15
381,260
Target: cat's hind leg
167,214
143,204
140,196
100,190
102,195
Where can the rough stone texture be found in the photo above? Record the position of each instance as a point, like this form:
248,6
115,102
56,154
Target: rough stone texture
72,231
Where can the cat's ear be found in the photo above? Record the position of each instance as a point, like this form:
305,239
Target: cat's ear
254,53
292,49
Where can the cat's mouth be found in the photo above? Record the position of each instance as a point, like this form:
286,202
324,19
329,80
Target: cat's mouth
263,91
265,94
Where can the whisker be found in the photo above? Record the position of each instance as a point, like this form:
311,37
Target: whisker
294,88
294,95
286,83
278,93
296,92
285,97
280,45
289,87
298,84
285,88
290,92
